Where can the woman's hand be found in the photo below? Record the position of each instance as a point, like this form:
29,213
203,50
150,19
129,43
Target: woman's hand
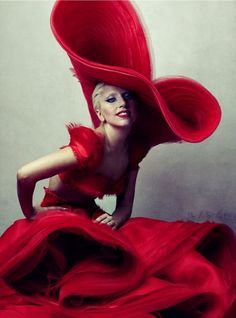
37,209
115,220
107,219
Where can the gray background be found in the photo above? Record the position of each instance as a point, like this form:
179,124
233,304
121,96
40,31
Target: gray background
39,96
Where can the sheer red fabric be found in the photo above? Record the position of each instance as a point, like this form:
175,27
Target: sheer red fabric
63,265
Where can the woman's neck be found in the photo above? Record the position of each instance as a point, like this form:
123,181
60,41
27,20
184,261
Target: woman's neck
116,137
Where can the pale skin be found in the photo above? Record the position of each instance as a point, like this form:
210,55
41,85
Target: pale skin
117,112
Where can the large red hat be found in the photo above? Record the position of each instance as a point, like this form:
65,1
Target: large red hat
105,42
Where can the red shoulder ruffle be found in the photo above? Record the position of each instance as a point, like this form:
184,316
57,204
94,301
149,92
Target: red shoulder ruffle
86,145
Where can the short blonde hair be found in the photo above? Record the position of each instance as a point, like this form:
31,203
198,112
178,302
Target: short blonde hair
96,94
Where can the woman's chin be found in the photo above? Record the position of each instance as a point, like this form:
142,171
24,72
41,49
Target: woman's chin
124,122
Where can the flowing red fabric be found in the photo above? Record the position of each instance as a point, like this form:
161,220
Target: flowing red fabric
63,265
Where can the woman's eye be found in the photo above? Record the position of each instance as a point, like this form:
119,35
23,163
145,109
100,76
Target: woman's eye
111,99
128,95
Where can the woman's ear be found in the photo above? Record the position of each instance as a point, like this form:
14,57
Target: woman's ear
100,115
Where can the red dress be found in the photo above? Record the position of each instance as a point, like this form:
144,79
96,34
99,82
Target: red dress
62,265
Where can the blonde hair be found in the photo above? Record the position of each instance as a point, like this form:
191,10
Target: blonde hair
96,94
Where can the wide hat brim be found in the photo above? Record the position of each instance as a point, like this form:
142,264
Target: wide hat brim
105,42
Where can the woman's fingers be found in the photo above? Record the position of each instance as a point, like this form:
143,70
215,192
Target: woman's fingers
106,219
102,218
47,208
111,222
61,208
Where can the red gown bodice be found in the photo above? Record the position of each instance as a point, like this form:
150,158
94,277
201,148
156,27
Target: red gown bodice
88,147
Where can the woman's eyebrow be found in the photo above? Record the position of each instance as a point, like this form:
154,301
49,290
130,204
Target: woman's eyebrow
111,93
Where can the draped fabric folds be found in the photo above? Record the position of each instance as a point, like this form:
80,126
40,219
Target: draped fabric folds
63,265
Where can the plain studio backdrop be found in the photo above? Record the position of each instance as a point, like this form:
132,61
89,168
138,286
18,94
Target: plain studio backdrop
39,96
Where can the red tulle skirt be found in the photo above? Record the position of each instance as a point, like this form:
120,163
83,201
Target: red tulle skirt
62,265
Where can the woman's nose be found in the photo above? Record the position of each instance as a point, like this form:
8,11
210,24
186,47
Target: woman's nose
122,102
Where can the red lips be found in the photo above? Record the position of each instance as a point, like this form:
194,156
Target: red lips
123,113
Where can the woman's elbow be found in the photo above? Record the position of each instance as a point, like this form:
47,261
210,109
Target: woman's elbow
24,177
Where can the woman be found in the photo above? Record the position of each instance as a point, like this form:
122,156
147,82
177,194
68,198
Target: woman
116,109
60,264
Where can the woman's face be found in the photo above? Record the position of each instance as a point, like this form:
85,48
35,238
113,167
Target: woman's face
117,106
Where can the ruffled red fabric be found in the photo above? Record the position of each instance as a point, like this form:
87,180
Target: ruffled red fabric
88,147
63,265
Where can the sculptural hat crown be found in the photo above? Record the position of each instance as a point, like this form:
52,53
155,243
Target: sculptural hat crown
105,42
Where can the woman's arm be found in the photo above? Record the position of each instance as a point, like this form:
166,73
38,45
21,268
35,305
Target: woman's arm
40,169
124,204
